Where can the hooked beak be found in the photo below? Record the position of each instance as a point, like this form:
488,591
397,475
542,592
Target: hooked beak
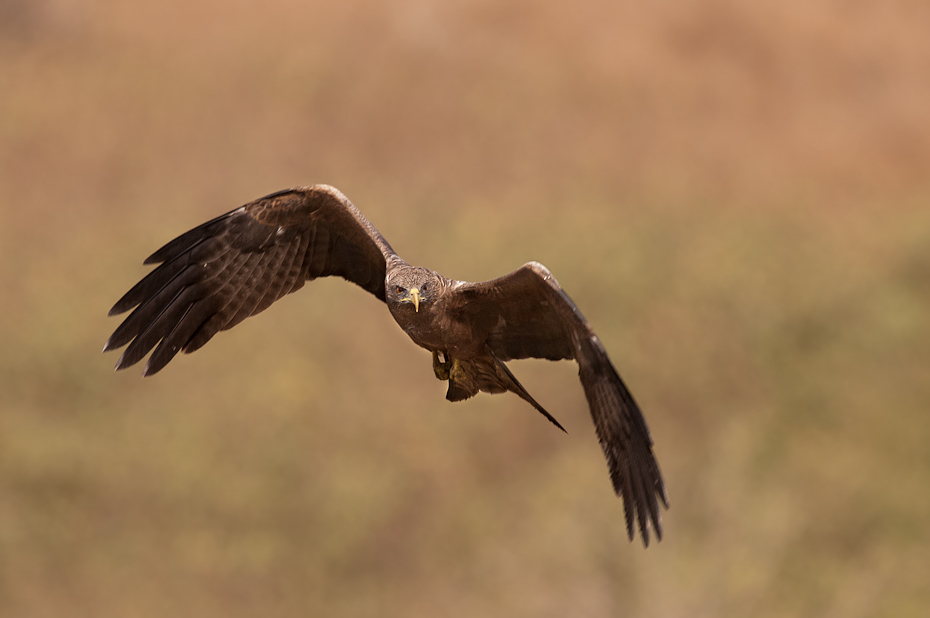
414,298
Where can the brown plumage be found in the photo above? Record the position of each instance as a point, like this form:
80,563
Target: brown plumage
236,265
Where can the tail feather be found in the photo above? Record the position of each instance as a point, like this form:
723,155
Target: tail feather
458,392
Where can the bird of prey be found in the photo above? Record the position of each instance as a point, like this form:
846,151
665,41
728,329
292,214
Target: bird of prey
238,264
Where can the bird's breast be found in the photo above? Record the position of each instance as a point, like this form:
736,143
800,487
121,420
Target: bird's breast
437,331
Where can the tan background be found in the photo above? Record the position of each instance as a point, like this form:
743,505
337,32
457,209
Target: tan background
736,194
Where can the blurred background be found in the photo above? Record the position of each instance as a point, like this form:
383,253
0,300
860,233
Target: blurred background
736,194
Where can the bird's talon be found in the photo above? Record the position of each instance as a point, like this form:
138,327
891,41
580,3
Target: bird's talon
456,373
441,368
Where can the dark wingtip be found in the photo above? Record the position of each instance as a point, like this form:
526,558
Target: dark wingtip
126,360
124,304
655,518
151,368
644,532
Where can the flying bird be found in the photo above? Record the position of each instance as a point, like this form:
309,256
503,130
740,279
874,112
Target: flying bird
236,265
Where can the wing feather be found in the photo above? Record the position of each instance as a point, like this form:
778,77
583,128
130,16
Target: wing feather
527,314
236,265
279,271
209,254
249,284
317,252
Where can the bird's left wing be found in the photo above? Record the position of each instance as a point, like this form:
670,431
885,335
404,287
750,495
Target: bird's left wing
236,265
526,314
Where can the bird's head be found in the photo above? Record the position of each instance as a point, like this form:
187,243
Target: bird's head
414,285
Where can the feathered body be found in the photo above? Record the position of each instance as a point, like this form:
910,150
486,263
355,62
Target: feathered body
237,265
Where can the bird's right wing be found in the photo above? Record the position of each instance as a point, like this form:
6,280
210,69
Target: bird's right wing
216,275
526,314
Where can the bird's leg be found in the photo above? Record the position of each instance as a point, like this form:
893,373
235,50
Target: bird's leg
461,385
441,369
456,373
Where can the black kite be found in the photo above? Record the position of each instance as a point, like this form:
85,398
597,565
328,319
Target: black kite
236,265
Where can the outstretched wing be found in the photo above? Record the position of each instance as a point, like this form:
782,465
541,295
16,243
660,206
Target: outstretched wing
527,315
236,265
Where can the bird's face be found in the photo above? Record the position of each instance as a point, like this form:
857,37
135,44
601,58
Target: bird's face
415,286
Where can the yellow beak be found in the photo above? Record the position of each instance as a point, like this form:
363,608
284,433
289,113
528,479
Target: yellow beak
415,298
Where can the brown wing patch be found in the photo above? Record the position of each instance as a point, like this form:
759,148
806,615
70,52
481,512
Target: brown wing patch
235,266
519,314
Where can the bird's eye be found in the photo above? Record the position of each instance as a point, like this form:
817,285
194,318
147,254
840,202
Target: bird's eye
423,287
399,290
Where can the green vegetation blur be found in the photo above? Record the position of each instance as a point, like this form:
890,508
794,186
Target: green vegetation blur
735,194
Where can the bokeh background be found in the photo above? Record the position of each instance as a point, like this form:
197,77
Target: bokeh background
736,194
